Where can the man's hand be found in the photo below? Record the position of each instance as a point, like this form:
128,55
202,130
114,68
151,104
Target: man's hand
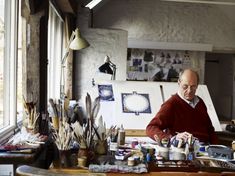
183,138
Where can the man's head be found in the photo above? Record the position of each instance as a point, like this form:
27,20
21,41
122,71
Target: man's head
188,82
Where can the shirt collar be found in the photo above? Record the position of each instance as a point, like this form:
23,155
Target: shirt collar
192,103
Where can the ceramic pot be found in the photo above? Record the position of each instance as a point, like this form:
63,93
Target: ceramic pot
101,147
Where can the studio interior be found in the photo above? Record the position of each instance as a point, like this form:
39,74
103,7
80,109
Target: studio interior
117,87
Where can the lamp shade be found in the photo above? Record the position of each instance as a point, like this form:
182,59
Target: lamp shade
78,42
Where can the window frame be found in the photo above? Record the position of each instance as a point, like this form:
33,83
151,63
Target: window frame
55,44
10,68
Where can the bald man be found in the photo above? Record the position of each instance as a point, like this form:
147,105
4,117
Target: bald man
184,114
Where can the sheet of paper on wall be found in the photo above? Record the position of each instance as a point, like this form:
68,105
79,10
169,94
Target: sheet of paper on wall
136,102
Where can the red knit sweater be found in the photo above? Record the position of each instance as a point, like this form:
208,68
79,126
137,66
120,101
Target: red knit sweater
176,115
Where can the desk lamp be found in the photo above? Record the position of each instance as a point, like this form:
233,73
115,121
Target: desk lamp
108,67
76,42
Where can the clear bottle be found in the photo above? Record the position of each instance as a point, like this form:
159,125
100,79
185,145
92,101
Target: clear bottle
121,136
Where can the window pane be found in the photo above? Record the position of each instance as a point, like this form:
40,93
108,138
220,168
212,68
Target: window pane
19,66
55,41
1,59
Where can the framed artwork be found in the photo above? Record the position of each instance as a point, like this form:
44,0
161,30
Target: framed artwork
135,103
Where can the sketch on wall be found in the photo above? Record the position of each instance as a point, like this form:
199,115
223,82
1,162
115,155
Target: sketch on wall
135,103
156,65
106,92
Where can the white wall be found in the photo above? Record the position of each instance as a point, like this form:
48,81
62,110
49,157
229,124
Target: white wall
154,20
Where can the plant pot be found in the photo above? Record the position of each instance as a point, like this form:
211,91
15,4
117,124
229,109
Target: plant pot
64,159
86,154
101,147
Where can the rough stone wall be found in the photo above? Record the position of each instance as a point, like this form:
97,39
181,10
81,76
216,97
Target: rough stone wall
154,20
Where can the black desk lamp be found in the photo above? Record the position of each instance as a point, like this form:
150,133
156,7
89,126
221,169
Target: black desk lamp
108,67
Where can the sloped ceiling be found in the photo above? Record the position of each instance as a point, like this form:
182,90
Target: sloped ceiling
68,6
218,2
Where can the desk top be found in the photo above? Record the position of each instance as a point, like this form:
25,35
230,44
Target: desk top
29,171
25,156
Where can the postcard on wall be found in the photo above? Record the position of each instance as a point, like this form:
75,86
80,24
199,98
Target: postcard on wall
106,92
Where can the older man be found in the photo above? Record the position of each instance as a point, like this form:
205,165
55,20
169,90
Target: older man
184,114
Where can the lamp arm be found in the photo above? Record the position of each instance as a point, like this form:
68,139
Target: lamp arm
114,69
112,64
64,58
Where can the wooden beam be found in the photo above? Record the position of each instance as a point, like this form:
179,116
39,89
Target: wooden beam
68,6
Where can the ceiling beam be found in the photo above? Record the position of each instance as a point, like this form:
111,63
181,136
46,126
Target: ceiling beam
68,6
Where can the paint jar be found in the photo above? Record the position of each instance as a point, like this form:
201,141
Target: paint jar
177,153
163,152
130,161
82,161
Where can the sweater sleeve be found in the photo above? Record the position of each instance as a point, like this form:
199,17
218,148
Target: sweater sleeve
161,122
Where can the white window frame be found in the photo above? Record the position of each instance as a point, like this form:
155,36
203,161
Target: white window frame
10,68
55,50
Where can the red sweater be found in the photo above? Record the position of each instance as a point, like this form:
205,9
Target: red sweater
176,115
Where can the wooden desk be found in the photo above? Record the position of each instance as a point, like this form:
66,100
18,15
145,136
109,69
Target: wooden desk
29,171
16,159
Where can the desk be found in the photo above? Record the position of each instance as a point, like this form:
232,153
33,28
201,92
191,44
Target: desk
29,171
16,159
41,157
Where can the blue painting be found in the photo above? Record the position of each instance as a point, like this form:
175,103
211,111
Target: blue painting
106,92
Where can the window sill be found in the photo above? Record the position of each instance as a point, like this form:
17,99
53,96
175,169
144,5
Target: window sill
6,133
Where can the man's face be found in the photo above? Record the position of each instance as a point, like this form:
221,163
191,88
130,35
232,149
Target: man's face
188,85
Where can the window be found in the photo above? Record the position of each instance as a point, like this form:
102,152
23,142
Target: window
8,64
21,30
1,59
55,43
